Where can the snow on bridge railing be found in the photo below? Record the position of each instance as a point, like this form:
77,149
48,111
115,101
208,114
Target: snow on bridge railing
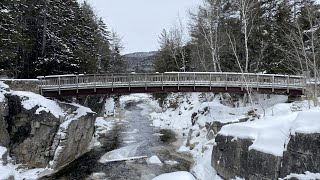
209,79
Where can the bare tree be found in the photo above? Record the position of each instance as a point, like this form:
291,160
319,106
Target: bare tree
247,17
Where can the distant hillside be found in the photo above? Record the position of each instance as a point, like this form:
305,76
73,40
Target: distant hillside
140,62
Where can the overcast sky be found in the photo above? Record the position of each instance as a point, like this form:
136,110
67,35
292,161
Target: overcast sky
140,22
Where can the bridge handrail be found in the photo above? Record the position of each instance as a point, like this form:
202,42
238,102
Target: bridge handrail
223,79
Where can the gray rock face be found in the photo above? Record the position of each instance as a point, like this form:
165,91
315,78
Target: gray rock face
262,165
231,157
303,154
34,139
31,135
77,139
4,135
3,158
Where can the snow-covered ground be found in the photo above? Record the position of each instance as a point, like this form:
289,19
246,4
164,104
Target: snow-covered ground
180,175
277,119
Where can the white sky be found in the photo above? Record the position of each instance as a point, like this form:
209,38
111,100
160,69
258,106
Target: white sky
140,22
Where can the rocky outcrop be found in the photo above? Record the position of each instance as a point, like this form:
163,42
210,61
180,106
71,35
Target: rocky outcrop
4,135
3,156
72,142
31,134
36,136
231,157
303,154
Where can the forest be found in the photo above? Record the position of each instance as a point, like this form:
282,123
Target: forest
45,37
259,36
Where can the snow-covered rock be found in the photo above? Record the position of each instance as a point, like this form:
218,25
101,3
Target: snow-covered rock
180,175
41,129
154,160
283,141
306,176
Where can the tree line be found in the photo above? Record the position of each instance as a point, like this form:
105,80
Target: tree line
45,37
269,36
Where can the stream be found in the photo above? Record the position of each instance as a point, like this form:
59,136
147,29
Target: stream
133,136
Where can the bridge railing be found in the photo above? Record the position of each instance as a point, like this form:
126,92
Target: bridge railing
216,79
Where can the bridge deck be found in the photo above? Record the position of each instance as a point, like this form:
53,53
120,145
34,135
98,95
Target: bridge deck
70,85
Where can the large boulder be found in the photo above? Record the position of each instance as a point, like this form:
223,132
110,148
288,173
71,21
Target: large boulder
4,135
42,131
229,156
262,165
31,134
302,154
232,158
269,150
73,140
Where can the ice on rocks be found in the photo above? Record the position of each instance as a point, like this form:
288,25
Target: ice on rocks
154,160
180,175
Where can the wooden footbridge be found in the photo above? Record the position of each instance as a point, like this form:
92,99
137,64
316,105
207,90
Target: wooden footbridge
77,85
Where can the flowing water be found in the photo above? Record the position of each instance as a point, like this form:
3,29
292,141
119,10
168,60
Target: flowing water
138,138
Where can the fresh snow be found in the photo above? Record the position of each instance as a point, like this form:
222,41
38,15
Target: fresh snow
11,170
3,88
306,123
170,162
81,111
270,134
31,100
180,175
307,176
3,150
154,160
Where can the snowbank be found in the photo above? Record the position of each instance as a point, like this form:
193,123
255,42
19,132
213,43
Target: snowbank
271,133
3,150
12,171
268,134
306,123
180,175
306,176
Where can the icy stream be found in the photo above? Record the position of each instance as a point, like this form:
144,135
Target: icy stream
133,137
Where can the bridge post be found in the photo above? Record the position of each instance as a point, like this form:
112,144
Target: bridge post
194,81
162,81
272,83
178,81
226,84
129,82
242,79
288,79
210,81
112,82
41,91
145,81
257,82
59,84
77,81
95,83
